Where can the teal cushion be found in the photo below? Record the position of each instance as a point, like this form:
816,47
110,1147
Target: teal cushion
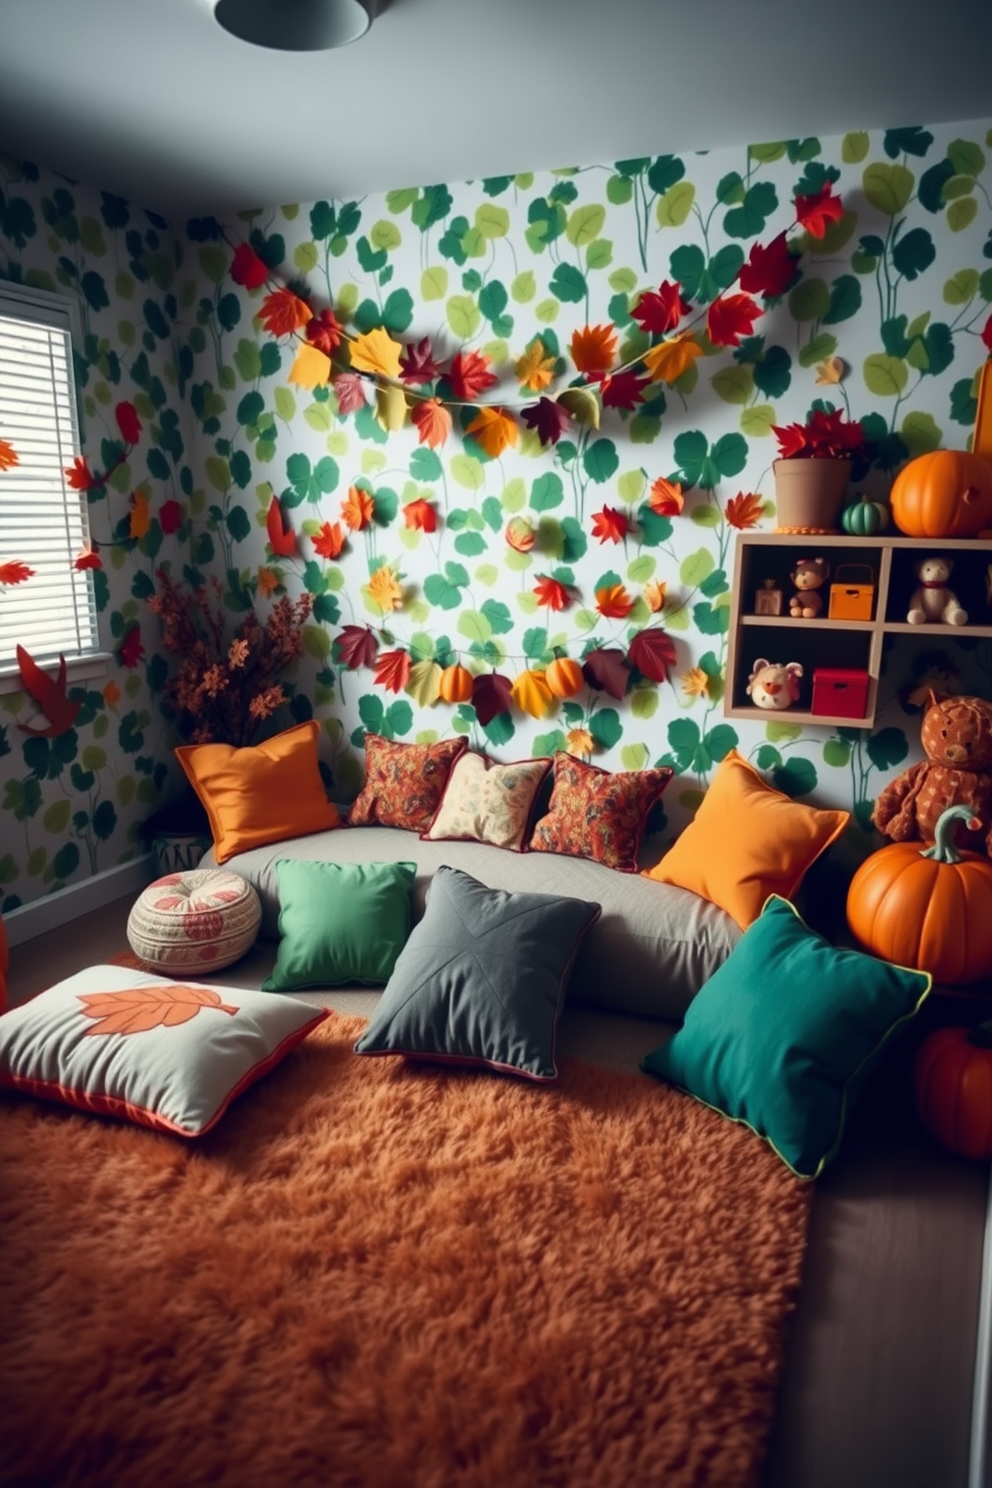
781,1036
340,922
482,978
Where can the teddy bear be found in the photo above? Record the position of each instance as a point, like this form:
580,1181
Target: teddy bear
774,685
933,602
808,575
956,735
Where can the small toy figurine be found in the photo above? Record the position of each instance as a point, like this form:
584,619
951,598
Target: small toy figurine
956,735
768,599
808,576
933,602
773,684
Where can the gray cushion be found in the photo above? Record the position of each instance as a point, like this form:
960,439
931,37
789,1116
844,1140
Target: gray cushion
481,978
651,950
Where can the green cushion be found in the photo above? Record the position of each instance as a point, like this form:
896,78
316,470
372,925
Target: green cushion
482,978
781,1036
340,922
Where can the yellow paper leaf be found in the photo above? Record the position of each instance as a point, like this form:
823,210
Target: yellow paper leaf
832,371
390,407
377,352
669,359
385,590
311,368
535,369
494,429
582,404
532,694
424,685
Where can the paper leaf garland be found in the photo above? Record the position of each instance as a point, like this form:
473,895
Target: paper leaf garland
375,352
392,670
424,685
311,367
356,646
15,572
470,375
548,418
283,312
652,652
669,359
492,695
494,430
606,670
432,421
531,693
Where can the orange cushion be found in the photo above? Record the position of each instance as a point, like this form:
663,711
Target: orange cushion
262,793
747,840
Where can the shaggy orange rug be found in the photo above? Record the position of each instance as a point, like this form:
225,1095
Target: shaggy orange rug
378,1274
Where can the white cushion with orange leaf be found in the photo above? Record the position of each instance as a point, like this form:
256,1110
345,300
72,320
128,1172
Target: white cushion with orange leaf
166,1054
200,920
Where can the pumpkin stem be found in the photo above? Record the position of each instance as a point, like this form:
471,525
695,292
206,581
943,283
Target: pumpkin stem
980,1036
943,849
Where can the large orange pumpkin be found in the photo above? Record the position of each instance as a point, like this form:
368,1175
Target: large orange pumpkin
947,493
952,1082
455,684
928,908
564,677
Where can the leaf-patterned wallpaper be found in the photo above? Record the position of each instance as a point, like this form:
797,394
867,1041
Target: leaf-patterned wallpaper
900,289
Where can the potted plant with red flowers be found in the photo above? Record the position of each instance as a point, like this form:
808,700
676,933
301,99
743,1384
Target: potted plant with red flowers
813,470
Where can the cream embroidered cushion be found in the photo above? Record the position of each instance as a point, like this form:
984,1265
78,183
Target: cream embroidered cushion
485,802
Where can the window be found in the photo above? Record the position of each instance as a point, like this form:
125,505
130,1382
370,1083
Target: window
43,522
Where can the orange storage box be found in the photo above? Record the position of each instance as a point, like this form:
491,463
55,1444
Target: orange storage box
840,692
853,598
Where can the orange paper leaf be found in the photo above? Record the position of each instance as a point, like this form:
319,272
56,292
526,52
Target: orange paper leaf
494,429
8,456
329,541
665,497
140,1009
614,602
15,572
283,312
743,511
594,348
432,421
141,514
669,359
357,509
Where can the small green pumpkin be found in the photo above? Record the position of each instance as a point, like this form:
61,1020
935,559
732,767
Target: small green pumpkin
864,517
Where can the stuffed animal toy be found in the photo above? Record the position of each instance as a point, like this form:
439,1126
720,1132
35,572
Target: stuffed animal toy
809,575
933,602
956,735
772,685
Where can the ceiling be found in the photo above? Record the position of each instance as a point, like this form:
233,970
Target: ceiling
152,100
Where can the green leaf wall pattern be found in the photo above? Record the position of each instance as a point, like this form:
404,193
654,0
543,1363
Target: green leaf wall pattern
900,289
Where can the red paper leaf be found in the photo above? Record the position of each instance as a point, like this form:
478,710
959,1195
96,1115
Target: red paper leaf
349,390
392,670
281,537
613,601
652,652
492,695
470,375
659,312
329,541
610,525
247,268
547,418
420,515
744,510
417,364
770,270
88,558
552,593
170,517
623,390
128,422
987,336
50,695
605,669
283,312
815,213
79,475
356,646
324,331
731,317
131,650
15,572
791,440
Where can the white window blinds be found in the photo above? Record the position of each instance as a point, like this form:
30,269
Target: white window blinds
43,522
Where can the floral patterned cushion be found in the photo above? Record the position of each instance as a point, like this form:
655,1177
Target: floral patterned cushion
404,783
598,815
486,802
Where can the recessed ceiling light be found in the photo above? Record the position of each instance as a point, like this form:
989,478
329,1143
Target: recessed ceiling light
295,25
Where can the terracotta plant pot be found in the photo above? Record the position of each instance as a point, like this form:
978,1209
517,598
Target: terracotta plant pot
809,494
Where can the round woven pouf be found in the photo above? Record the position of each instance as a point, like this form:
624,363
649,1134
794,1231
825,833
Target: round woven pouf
199,920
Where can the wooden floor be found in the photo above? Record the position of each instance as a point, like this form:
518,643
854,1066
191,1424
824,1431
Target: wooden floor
879,1379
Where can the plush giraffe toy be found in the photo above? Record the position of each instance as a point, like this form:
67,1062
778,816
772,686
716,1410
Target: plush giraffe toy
956,735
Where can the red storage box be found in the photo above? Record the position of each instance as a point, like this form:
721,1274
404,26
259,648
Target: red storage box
840,692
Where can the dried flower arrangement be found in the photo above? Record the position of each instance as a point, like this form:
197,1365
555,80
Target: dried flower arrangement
225,686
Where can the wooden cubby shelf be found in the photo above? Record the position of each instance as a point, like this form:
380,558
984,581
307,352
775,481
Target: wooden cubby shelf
854,645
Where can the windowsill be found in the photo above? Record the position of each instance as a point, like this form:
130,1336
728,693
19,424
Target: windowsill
78,670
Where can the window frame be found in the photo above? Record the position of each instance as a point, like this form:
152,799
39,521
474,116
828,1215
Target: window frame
58,312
